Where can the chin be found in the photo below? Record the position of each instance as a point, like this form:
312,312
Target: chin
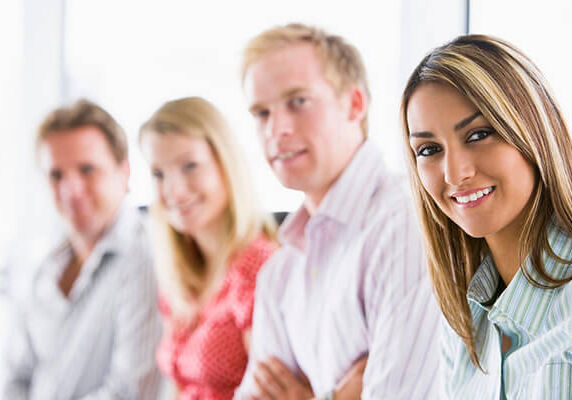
292,182
475,232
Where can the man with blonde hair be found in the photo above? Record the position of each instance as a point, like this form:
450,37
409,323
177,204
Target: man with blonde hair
348,289
86,325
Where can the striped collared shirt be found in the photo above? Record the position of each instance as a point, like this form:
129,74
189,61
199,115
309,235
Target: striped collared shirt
539,323
350,281
98,343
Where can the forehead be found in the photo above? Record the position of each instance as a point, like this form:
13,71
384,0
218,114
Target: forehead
174,147
75,146
294,66
436,105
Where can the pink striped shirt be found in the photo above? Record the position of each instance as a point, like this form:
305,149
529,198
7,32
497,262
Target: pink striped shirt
350,281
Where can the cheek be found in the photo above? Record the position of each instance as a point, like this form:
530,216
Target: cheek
56,189
161,194
430,179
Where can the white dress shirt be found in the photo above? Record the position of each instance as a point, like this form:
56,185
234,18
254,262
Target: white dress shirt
350,281
97,343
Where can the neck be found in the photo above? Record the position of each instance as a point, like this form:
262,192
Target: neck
504,247
82,247
209,239
314,198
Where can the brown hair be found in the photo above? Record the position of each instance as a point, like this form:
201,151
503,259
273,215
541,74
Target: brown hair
342,62
85,113
513,96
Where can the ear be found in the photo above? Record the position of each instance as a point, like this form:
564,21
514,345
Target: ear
125,172
358,104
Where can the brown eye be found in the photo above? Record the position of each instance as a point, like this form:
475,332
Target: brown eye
56,175
86,169
157,174
427,150
479,135
189,166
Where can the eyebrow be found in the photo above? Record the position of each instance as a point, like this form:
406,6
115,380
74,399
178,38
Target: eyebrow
466,121
459,125
284,95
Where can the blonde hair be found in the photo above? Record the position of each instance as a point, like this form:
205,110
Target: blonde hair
513,96
342,62
85,113
181,269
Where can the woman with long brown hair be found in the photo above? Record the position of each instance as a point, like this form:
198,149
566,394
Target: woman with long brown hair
490,159
210,240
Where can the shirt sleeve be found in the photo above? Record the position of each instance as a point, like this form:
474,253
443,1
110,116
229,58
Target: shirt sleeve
402,315
17,359
133,373
269,333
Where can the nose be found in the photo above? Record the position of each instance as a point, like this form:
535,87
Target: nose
72,186
458,167
174,190
279,124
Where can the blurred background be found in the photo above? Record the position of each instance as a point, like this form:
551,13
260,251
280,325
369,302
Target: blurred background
131,56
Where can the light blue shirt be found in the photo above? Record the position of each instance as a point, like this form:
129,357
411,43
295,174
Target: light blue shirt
539,322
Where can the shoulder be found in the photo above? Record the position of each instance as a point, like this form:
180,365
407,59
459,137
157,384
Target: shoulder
561,310
390,222
134,242
251,259
274,275
391,199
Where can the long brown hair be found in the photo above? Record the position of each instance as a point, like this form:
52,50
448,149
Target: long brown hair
181,269
511,93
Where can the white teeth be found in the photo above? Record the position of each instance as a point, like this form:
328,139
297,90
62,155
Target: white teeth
473,196
283,156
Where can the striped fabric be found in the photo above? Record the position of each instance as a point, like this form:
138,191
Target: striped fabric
99,343
539,323
350,281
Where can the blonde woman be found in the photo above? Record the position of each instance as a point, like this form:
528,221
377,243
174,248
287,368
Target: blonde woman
491,170
210,241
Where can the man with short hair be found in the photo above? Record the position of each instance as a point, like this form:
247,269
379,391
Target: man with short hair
87,325
349,283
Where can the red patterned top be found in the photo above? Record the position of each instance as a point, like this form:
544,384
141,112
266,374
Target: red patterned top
208,362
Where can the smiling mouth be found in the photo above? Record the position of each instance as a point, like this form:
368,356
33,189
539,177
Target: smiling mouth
473,196
186,208
287,155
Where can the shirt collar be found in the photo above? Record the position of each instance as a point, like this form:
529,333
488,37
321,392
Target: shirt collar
511,303
347,200
483,285
115,240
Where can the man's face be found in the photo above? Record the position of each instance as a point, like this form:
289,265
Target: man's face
88,185
305,127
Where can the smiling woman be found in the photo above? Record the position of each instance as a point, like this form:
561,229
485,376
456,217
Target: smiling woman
465,166
489,160
210,240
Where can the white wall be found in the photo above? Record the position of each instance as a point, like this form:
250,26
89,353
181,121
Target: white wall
170,49
131,56
541,30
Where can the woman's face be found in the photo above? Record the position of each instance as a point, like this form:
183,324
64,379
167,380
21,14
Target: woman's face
478,180
188,180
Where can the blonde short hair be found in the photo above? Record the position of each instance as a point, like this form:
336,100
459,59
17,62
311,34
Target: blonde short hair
342,62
